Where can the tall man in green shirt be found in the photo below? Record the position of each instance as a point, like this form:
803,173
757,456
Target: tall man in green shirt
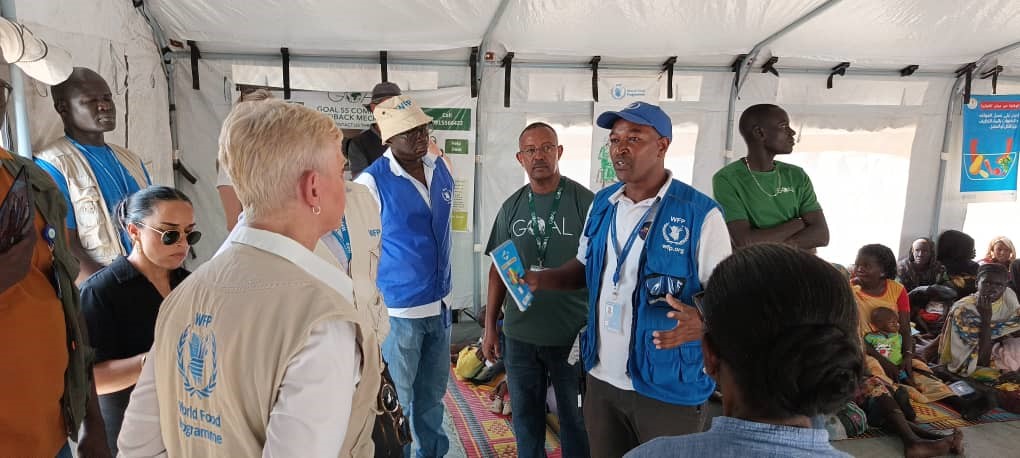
544,219
765,200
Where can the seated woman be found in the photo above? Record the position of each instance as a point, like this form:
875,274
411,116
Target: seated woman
874,287
916,273
920,268
1000,251
779,357
956,252
980,327
121,301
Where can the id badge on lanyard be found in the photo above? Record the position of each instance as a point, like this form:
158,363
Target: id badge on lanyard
613,310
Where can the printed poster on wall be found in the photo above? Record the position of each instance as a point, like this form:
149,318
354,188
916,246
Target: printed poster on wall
991,131
453,130
615,94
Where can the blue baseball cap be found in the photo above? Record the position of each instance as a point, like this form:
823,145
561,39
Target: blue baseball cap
642,113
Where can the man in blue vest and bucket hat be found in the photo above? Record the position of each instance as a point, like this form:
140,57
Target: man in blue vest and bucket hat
414,189
649,245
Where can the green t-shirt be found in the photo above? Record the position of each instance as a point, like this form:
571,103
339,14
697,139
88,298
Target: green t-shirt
555,317
741,198
890,346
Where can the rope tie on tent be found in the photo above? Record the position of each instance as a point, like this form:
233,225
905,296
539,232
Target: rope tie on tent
383,67
195,55
994,74
285,52
668,68
770,66
508,60
908,70
594,63
837,70
473,63
966,71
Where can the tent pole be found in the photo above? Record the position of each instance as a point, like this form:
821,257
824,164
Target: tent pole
745,68
24,141
477,272
950,110
167,63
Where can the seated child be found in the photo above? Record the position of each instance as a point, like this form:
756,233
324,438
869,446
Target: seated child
887,340
925,386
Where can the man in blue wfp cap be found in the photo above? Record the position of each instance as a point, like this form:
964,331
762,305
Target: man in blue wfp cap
648,247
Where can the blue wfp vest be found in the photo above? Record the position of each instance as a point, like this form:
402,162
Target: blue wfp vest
414,266
674,376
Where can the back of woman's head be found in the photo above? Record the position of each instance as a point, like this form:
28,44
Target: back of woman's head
140,205
784,323
884,255
956,246
267,146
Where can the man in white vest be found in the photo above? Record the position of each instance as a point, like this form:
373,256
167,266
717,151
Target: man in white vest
93,175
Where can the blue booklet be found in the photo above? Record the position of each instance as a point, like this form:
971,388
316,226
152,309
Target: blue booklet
511,270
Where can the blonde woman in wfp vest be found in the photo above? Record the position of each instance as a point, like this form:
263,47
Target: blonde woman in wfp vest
261,352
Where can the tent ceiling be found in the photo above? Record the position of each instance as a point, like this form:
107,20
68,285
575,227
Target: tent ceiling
328,26
936,34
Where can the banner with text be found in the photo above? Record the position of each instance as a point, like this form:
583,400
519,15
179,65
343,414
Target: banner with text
615,94
991,130
453,130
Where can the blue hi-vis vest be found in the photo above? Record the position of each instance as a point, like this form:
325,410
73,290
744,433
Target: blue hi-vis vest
414,266
670,249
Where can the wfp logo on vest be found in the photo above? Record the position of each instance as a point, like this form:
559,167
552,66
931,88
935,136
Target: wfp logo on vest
196,352
676,234
447,195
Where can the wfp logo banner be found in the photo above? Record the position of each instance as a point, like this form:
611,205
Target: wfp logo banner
991,125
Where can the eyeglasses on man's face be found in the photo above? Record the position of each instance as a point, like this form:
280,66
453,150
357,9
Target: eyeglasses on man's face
547,148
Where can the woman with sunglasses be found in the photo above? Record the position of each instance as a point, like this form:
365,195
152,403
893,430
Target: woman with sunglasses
121,301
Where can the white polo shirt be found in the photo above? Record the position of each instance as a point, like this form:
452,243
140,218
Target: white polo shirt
711,248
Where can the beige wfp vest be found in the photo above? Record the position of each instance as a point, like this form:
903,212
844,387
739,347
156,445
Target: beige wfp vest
223,341
96,229
365,227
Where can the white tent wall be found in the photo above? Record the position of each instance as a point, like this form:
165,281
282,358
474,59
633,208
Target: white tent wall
863,123
116,42
201,113
981,215
873,109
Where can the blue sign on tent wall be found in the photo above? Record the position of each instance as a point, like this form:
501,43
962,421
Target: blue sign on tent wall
991,135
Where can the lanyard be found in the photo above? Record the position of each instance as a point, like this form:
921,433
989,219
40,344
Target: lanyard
123,177
621,255
344,237
542,231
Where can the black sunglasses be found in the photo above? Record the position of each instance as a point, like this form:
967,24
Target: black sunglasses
172,237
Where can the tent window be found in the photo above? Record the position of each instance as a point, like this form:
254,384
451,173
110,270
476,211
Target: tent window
987,220
860,178
680,156
575,135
